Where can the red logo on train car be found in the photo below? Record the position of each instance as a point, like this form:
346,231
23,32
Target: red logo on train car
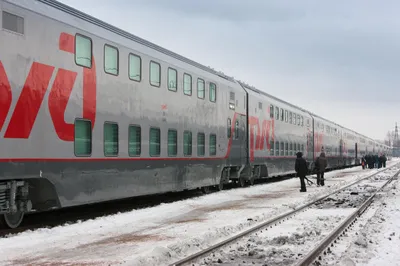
34,90
264,134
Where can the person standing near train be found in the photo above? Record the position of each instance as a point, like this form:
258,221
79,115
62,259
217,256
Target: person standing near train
320,166
301,169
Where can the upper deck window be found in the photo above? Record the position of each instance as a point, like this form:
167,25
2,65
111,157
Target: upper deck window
213,92
110,60
155,74
83,51
135,67
200,89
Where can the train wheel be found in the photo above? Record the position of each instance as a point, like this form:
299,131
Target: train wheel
242,182
205,190
11,220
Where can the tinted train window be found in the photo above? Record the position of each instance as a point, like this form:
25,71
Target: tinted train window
290,148
110,139
172,142
213,144
282,145
294,119
271,143
277,113
290,117
83,51
200,89
302,121
172,79
201,148
83,137
286,116
298,147
302,148
187,84
135,67
213,92
13,22
229,128
135,141
155,74
110,60
154,142
271,111
286,149
187,143
281,114
277,148
236,129
298,120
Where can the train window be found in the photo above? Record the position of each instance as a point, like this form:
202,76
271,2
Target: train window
237,130
272,148
187,84
271,111
298,120
187,143
286,116
110,139
298,147
302,148
277,113
201,147
294,119
290,117
135,67
277,148
213,144
229,128
302,121
83,51
172,142
172,79
282,145
213,92
82,137
260,105
154,142
200,89
281,112
13,22
135,141
308,122
286,149
290,148
155,74
110,60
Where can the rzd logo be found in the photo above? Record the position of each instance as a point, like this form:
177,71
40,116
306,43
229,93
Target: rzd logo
34,90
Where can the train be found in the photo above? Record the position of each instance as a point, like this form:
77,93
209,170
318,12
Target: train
91,113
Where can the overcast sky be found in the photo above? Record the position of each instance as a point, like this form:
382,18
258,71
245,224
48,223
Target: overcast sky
339,59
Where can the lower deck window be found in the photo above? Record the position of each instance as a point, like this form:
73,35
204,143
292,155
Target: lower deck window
187,143
110,139
172,142
213,144
200,144
83,137
154,142
135,141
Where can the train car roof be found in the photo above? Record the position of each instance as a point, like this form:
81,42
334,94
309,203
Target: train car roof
79,14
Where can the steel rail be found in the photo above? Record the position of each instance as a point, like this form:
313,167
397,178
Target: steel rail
270,222
312,256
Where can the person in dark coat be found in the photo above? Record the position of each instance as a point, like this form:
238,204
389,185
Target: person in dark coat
301,169
320,165
384,159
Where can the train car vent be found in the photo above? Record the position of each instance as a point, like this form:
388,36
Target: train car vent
232,96
260,106
13,22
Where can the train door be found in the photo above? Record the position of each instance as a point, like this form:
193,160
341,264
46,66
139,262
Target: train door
239,148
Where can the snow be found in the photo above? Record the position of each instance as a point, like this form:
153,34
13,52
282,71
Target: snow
165,233
375,237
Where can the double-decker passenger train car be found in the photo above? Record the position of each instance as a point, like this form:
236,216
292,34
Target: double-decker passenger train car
91,113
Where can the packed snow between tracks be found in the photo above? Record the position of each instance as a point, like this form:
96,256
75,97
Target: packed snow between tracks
163,234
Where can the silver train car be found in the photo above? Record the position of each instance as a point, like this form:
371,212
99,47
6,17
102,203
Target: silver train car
90,113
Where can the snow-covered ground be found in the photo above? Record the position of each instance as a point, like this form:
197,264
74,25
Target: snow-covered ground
375,237
163,234
286,243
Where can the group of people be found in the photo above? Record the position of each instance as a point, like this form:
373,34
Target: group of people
301,169
373,161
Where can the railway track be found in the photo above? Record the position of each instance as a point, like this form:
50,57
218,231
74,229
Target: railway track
249,246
